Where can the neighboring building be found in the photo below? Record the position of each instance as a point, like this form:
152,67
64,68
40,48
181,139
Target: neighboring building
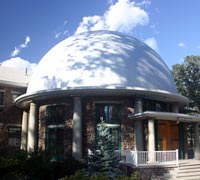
13,82
103,75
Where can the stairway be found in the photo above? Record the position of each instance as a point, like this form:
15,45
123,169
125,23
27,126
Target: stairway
187,170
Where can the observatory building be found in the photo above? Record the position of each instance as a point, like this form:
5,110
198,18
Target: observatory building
103,76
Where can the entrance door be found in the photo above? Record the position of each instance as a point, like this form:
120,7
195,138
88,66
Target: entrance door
168,135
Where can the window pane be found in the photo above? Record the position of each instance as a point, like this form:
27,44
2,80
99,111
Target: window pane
14,136
55,115
56,141
114,113
1,98
115,135
55,133
108,113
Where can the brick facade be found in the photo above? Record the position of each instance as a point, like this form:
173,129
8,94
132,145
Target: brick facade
88,122
10,115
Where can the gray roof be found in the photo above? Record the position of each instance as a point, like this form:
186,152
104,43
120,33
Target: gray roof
14,77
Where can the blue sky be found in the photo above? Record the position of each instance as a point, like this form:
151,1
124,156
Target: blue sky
29,28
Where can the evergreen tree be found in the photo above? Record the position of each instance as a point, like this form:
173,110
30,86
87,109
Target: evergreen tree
103,158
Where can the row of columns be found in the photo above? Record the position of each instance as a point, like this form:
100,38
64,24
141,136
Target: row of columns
30,129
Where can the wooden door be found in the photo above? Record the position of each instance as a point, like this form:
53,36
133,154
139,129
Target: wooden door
168,135
174,135
164,133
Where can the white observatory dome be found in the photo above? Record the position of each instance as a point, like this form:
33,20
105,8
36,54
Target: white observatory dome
101,60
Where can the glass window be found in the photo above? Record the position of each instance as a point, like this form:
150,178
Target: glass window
156,106
115,133
55,115
108,113
1,98
56,141
14,136
55,130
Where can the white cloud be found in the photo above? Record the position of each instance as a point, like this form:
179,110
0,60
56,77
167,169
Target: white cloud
17,50
151,42
61,30
19,63
144,3
27,40
122,16
181,44
57,35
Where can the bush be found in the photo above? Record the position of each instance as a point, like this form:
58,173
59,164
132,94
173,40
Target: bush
35,166
79,175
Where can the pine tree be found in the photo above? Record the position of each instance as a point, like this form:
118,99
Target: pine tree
103,158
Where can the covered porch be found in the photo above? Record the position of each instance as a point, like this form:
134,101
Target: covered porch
166,134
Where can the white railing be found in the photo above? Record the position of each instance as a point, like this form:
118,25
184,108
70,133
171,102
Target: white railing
144,158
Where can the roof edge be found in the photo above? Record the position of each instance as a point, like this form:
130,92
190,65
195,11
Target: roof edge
179,117
165,96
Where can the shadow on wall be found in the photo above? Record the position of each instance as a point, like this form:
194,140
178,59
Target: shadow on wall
103,59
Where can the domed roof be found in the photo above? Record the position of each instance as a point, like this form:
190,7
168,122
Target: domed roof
101,60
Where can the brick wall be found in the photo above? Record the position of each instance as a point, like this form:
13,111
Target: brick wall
10,115
89,124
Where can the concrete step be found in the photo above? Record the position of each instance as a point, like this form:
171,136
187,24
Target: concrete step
187,178
187,170
188,174
189,166
174,177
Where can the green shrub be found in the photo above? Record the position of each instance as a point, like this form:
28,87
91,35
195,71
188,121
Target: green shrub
80,175
35,166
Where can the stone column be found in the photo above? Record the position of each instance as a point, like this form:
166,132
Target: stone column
196,142
139,145
24,131
77,129
32,128
151,139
